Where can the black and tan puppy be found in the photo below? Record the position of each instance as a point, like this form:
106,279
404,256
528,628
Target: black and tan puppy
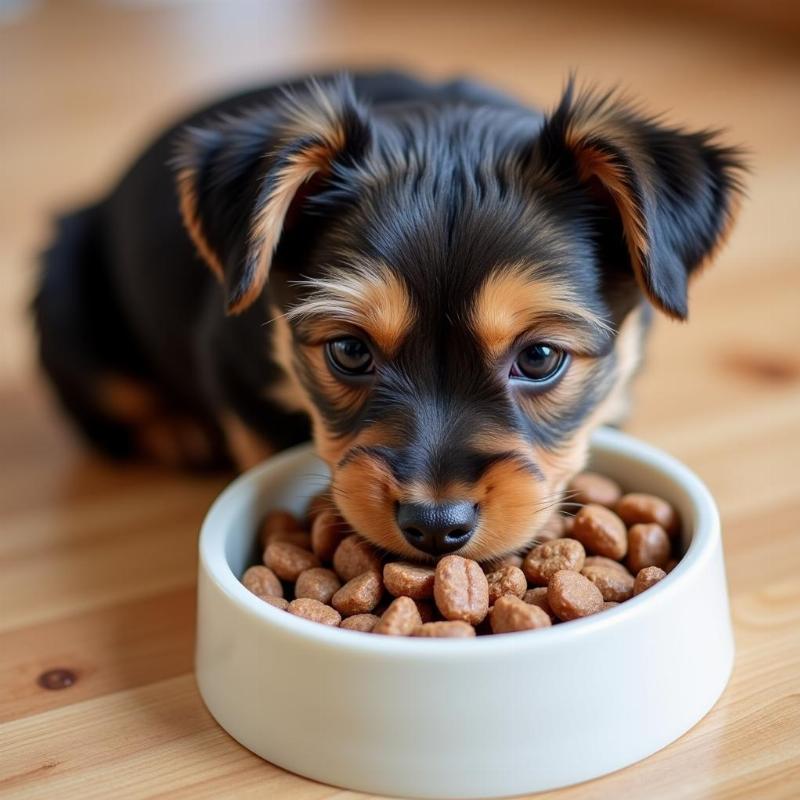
450,287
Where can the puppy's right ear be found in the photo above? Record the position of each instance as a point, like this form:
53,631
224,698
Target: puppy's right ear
241,180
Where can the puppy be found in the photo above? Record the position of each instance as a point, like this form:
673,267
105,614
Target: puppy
447,289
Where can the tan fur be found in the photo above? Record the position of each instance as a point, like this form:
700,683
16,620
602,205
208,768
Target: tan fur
366,296
126,399
267,225
246,447
513,299
595,163
187,198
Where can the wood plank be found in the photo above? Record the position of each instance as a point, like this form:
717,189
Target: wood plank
108,649
97,561
158,740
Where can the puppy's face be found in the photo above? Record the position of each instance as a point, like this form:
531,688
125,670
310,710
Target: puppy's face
464,304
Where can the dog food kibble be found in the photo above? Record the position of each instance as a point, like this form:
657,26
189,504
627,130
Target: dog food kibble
360,622
646,578
512,614
279,602
461,590
637,507
552,529
514,560
648,546
328,530
538,597
572,595
602,548
506,580
590,488
408,580
315,611
355,556
276,524
262,581
288,560
317,583
319,503
359,595
615,585
600,531
400,619
447,629
546,559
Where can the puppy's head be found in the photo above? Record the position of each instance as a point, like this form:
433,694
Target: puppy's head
458,292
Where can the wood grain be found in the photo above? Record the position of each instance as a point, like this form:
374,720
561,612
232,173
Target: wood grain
97,561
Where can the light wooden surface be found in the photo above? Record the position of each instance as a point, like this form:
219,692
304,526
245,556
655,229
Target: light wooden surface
97,562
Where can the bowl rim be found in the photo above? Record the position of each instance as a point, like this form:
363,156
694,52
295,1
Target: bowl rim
213,561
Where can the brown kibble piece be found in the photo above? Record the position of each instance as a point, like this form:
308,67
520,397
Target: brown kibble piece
552,529
546,559
593,488
262,581
448,629
513,560
360,622
607,563
601,531
355,556
538,597
506,580
278,602
278,523
319,503
572,595
408,580
512,614
647,577
569,524
637,507
298,537
287,560
461,590
328,530
616,585
400,619
609,604
648,546
317,583
315,611
359,595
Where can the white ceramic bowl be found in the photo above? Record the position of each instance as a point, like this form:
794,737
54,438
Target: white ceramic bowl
493,716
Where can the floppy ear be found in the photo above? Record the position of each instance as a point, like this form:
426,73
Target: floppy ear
243,179
674,194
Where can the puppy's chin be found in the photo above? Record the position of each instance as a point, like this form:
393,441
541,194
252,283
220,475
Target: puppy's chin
513,505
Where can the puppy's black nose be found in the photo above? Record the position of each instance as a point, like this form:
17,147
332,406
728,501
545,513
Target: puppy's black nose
437,528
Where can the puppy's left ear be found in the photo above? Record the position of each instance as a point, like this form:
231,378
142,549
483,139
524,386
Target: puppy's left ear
673,194
243,181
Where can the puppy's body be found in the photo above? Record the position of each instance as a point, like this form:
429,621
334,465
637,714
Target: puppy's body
438,231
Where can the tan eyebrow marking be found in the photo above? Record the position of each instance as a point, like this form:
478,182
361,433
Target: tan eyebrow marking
367,295
513,299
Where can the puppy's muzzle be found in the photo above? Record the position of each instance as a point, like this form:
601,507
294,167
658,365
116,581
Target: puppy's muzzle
437,528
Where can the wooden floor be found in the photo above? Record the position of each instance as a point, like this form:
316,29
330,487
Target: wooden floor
97,562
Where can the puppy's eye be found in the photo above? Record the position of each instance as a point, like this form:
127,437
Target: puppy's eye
350,356
540,363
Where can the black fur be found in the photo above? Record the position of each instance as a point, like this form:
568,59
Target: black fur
442,183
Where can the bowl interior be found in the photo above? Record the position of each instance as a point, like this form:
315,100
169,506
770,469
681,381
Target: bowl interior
229,539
